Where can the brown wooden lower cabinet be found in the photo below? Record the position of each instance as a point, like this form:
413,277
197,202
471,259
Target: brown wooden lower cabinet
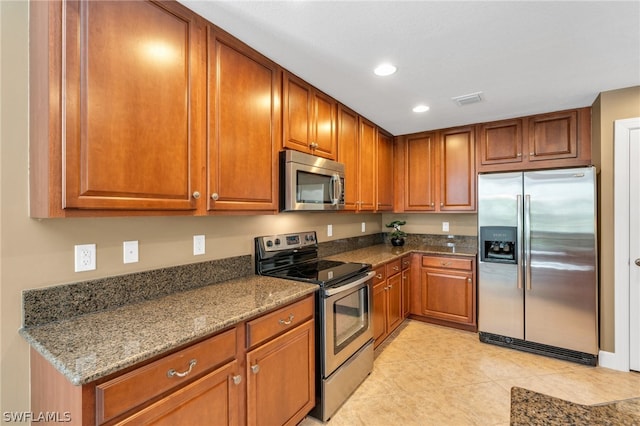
446,293
387,300
259,372
280,378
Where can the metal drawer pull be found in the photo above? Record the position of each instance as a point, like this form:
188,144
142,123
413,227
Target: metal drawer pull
173,372
237,379
255,368
286,322
379,276
395,268
445,263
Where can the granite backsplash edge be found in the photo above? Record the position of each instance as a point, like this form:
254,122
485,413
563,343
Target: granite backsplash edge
61,302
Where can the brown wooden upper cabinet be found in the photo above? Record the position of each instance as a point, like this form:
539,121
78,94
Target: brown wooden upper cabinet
309,118
367,153
116,122
556,139
439,171
457,170
384,172
348,154
244,126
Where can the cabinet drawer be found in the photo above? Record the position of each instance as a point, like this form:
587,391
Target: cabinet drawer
447,262
406,262
393,267
132,389
380,276
264,328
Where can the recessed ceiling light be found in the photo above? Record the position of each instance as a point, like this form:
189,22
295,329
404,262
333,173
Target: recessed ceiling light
420,108
385,69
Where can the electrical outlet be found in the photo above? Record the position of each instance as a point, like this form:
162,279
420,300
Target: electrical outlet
329,230
130,251
445,226
363,227
85,257
198,245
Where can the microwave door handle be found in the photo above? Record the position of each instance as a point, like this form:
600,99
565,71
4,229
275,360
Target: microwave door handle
336,189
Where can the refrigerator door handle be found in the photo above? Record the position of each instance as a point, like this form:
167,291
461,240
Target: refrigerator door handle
527,240
519,242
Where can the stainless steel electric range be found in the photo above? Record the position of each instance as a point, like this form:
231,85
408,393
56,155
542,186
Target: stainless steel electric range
344,334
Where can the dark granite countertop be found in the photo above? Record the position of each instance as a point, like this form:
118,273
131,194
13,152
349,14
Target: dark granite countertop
532,408
95,345
382,253
86,346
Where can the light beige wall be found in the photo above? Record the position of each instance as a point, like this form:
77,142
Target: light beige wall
608,107
37,253
459,223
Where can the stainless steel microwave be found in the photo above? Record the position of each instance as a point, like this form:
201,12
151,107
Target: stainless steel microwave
308,182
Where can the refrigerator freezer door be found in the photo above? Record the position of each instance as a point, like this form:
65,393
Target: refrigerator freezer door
561,296
500,301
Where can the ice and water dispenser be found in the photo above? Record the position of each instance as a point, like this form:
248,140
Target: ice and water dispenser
498,244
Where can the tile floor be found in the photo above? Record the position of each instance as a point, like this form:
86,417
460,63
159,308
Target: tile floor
430,375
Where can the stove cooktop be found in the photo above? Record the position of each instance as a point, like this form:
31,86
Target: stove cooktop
323,272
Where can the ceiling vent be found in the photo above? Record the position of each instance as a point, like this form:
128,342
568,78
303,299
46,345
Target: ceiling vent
471,98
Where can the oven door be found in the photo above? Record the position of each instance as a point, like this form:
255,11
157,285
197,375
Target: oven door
347,321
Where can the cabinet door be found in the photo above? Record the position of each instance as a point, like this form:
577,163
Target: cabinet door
553,136
297,113
420,173
457,170
500,142
133,110
367,161
394,304
406,292
348,154
309,118
244,127
213,399
280,378
324,126
384,178
447,295
379,311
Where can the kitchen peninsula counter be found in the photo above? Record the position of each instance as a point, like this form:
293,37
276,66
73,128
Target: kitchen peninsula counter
95,345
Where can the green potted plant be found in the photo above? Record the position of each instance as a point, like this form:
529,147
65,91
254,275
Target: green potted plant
397,236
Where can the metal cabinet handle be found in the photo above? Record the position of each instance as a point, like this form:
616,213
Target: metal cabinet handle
379,276
255,368
441,204
468,279
519,154
396,268
237,379
215,196
637,262
433,204
445,263
196,195
172,372
286,322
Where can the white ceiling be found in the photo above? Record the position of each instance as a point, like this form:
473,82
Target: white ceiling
525,57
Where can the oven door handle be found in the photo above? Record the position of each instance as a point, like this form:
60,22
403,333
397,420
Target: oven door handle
340,289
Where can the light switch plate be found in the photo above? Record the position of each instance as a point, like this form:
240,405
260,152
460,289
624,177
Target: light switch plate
130,251
329,230
363,226
445,226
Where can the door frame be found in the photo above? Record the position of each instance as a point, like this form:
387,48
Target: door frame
619,360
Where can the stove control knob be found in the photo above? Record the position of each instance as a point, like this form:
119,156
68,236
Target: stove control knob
269,243
277,241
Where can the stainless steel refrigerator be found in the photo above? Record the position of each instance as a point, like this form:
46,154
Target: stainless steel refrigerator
537,266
